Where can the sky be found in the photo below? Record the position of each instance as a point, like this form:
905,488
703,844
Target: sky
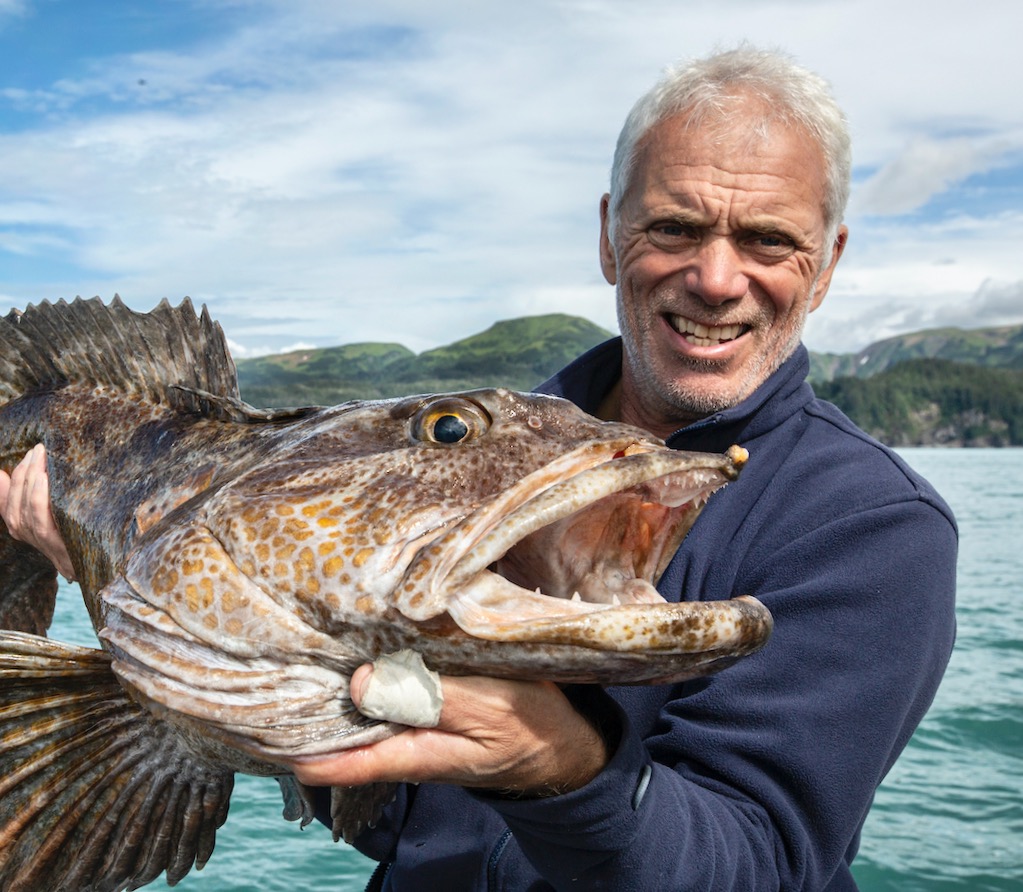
321,173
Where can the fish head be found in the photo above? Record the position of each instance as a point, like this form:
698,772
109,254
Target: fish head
485,516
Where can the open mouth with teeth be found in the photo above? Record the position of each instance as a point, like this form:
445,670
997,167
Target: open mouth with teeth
575,561
705,335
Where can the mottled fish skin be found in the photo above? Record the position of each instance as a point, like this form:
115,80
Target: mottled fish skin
239,564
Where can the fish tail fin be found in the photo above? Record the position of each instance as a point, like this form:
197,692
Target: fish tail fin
49,345
28,586
94,793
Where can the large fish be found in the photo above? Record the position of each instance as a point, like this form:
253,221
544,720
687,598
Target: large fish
238,565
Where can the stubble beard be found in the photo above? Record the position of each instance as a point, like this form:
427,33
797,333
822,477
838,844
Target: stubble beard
673,396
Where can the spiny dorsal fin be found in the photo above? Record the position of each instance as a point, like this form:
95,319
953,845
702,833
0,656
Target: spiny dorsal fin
169,355
95,794
87,341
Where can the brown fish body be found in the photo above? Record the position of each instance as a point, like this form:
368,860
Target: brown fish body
240,564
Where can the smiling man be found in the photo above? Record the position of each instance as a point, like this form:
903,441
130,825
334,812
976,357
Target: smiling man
719,247
721,232
721,237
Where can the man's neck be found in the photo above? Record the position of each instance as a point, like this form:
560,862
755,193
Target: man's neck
610,408
615,406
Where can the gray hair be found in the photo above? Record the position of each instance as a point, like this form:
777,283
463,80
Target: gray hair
707,90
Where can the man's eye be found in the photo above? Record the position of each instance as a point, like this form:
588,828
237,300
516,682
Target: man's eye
670,232
770,244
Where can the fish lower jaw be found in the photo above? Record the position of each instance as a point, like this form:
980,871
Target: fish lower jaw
652,633
493,607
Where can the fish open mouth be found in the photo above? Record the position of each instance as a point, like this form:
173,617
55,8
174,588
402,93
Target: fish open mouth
572,555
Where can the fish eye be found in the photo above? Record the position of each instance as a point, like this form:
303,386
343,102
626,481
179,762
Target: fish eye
449,421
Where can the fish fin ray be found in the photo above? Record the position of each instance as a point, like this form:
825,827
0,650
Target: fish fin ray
190,400
353,809
94,792
299,800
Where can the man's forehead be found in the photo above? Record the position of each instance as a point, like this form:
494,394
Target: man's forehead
677,155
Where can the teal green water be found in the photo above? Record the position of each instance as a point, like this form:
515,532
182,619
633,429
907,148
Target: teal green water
949,818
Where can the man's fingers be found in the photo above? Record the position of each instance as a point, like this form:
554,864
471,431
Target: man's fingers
394,759
25,506
15,508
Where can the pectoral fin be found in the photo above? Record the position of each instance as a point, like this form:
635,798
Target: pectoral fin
94,793
352,809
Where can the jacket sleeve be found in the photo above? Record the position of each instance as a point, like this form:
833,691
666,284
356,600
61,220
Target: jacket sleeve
761,777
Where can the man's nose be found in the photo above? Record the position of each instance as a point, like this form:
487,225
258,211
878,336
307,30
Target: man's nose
715,271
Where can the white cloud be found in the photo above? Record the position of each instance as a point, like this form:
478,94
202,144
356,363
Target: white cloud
412,172
925,168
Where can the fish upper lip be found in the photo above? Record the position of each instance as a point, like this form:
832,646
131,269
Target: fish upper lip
703,335
454,571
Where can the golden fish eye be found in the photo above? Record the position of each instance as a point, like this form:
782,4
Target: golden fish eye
449,421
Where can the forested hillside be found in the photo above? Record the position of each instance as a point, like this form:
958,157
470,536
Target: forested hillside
934,402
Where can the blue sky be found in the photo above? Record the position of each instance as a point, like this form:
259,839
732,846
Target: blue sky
320,173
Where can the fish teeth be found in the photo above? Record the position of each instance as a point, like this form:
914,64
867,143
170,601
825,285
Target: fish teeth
577,597
616,601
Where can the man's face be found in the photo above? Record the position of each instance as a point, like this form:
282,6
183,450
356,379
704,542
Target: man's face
718,257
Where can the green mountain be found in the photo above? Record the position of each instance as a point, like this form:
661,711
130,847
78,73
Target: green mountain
320,377
939,387
1000,347
944,386
516,353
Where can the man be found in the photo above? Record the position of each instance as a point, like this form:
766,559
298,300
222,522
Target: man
721,233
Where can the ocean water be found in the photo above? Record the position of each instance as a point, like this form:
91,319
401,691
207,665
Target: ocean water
949,817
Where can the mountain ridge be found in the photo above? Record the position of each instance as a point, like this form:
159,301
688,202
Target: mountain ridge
923,404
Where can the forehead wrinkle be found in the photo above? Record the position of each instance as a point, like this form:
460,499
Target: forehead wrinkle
715,199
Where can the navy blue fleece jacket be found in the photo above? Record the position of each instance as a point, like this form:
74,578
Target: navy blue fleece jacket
760,777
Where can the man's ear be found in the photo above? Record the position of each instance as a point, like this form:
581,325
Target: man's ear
824,279
608,263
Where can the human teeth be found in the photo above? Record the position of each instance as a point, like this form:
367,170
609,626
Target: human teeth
704,335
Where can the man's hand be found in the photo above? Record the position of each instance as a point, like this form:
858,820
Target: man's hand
508,736
25,508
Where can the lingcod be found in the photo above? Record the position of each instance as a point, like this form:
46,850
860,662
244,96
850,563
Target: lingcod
238,564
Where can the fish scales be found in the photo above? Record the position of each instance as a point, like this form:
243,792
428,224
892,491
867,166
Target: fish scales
239,564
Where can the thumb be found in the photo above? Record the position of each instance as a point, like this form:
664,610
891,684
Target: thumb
359,683
398,688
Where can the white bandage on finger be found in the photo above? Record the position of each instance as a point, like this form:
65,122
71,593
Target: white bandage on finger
402,690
